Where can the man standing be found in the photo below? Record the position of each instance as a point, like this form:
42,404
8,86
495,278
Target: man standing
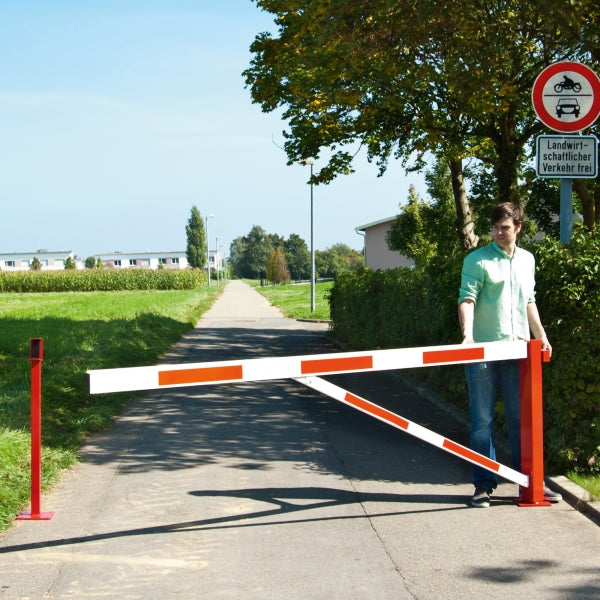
497,303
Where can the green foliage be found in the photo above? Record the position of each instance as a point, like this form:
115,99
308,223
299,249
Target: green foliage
100,280
196,240
568,284
90,262
340,258
298,257
407,79
410,308
36,265
70,263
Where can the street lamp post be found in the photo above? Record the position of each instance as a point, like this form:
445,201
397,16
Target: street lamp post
311,162
207,246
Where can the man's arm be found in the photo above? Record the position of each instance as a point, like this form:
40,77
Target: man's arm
535,324
466,312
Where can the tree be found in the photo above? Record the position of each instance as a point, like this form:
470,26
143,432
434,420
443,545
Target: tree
340,258
277,267
248,255
256,253
408,79
36,265
90,262
70,263
196,240
297,255
425,229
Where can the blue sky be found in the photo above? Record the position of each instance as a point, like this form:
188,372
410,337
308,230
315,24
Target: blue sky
117,116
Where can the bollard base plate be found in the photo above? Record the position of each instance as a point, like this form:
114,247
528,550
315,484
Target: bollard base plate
524,503
42,516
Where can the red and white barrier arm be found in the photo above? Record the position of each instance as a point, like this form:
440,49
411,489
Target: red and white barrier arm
261,369
386,416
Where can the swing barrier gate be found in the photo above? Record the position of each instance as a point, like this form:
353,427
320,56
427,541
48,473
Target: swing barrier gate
307,370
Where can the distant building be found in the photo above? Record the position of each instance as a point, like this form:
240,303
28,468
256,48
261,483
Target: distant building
50,261
144,260
377,253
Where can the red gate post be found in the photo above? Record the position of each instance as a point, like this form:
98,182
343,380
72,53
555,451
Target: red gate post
36,356
532,425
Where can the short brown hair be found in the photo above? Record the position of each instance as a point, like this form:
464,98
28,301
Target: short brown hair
508,209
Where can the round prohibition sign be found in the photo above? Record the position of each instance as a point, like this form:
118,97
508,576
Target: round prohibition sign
566,96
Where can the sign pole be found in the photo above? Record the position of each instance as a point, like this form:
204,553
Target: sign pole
566,210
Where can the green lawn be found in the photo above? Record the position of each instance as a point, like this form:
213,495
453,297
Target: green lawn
294,299
80,331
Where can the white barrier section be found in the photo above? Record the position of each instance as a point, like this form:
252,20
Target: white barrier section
418,431
105,381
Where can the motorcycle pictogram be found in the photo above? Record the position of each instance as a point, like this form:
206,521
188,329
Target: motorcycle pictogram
567,84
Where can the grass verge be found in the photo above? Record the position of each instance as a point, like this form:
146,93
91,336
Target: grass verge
294,299
587,482
81,331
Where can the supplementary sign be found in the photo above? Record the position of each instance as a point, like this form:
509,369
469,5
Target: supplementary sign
572,156
566,96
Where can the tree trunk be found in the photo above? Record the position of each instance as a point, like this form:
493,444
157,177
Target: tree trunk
465,227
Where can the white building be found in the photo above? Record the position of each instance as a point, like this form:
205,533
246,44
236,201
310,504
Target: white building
144,260
377,253
50,261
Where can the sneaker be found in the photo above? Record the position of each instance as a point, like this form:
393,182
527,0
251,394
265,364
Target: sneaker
481,498
551,496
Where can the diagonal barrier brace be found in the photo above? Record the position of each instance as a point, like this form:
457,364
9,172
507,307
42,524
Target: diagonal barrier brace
104,381
418,431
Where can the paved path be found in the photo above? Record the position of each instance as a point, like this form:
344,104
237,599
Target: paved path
271,491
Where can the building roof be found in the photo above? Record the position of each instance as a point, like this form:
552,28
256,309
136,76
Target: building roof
374,223
28,255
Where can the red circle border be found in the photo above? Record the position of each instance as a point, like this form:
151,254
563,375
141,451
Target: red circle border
545,117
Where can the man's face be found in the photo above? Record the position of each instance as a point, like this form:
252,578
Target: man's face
505,233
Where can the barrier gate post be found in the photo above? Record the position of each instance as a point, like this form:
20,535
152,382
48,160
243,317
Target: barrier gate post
36,356
532,425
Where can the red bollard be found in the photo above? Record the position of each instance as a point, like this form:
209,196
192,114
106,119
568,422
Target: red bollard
36,356
532,425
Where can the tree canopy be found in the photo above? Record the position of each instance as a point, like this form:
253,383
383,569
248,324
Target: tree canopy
409,79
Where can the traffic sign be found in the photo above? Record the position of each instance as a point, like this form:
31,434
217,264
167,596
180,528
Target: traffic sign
572,156
566,96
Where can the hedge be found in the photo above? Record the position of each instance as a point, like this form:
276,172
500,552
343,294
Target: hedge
407,308
101,280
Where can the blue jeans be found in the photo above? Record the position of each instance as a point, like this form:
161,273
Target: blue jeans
485,380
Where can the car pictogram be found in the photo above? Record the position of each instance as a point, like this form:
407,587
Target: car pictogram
567,106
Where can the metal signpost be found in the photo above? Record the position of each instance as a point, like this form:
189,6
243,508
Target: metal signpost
566,98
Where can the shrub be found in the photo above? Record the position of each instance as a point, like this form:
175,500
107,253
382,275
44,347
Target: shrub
105,280
409,308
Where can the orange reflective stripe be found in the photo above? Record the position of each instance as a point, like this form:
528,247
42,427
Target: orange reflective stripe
200,375
470,455
327,365
376,411
442,356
